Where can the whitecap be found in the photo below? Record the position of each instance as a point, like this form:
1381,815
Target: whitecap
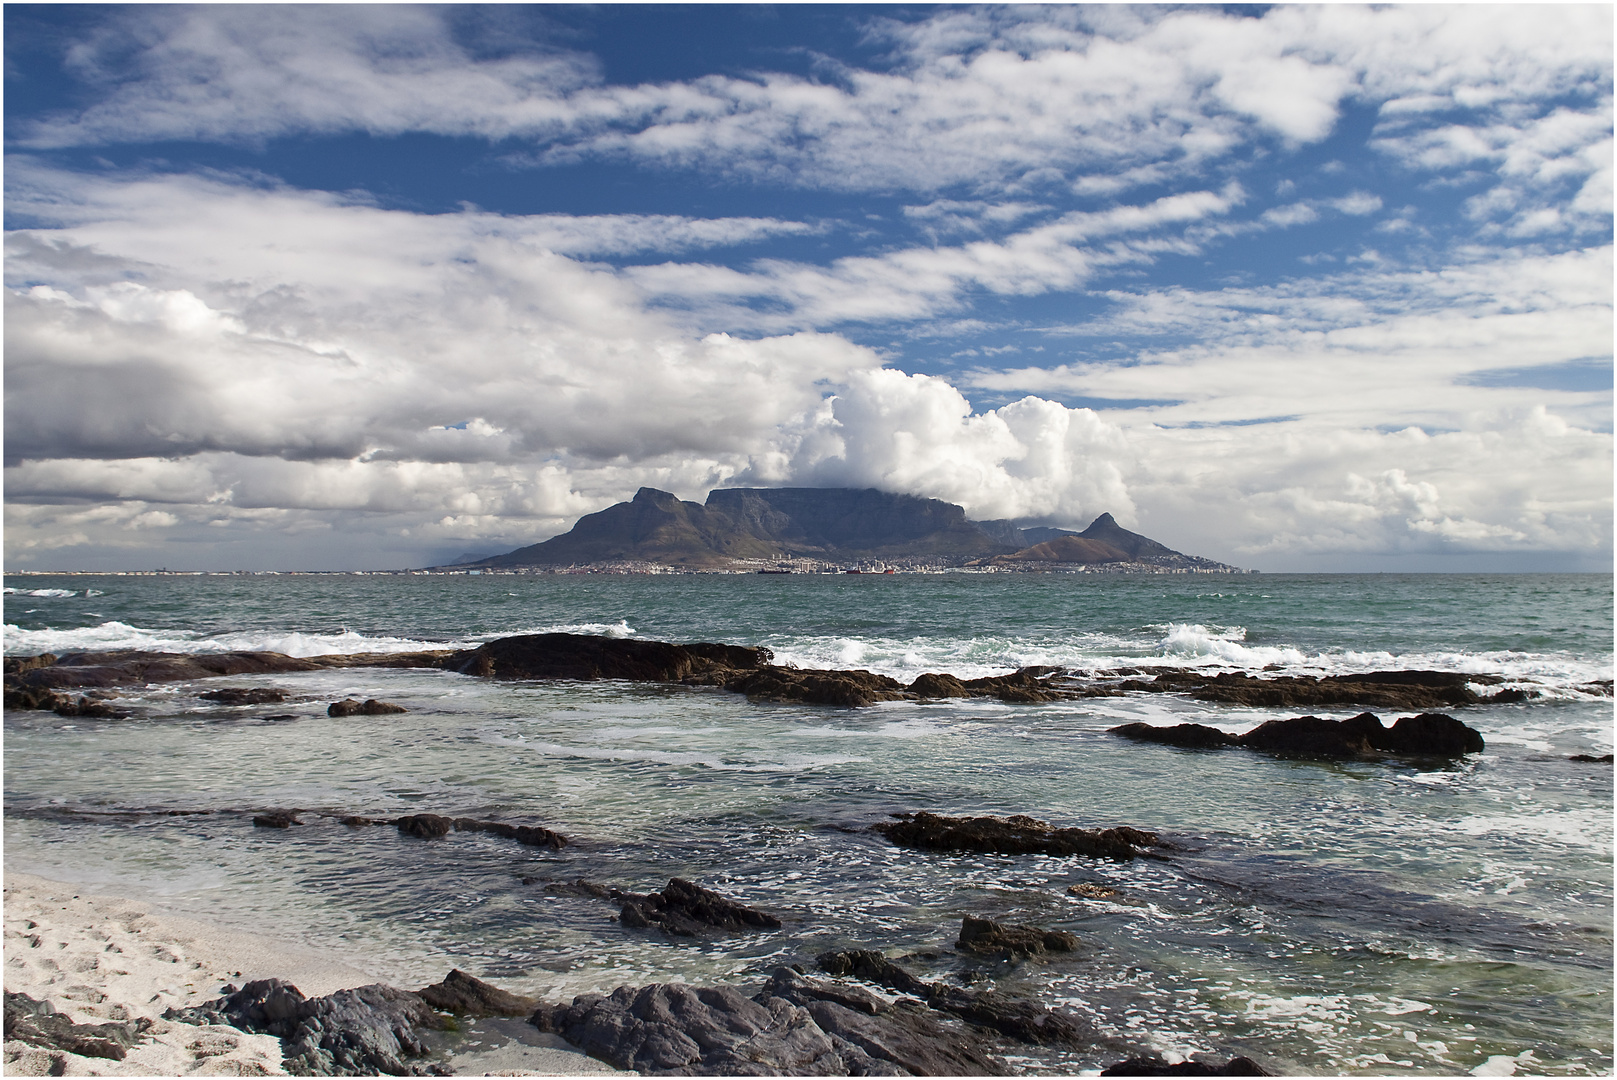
115,635
52,593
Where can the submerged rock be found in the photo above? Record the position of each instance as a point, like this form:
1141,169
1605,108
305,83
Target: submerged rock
1016,835
276,819
990,938
689,910
368,707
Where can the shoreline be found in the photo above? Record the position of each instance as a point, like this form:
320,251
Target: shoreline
102,959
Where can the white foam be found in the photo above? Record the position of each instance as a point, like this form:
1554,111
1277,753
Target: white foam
57,593
114,635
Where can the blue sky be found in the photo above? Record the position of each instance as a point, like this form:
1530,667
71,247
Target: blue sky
1318,288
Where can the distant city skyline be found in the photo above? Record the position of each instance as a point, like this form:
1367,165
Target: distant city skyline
1317,288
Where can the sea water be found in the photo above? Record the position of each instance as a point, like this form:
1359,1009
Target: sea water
1327,917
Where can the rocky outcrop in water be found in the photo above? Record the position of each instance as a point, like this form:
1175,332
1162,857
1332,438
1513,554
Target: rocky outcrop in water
1383,689
1016,835
433,826
1010,942
688,910
368,707
589,657
38,1024
1025,1021
1425,735
242,695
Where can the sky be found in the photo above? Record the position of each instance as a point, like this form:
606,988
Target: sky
1316,289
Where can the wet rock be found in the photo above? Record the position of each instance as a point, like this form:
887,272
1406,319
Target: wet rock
1187,736
903,1036
275,819
931,685
79,670
582,887
1425,735
1153,1066
1607,758
87,707
1016,835
854,689
1089,890
689,910
32,697
425,826
366,1031
588,657
237,695
989,938
354,821
1027,1021
433,826
1384,689
464,995
368,707
1308,736
37,1024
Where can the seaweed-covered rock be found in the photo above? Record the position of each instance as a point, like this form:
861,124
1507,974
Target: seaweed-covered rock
811,687
689,910
588,656
433,826
276,819
990,938
1015,835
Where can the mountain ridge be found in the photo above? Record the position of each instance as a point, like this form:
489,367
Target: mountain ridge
830,525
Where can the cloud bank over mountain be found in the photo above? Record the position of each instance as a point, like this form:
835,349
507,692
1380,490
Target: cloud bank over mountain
1328,288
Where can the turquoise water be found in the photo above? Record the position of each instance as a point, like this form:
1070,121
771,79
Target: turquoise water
1358,917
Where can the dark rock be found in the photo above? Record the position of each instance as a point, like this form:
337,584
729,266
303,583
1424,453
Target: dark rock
580,887
1089,890
425,826
87,707
1017,835
433,826
367,1031
237,695
1309,736
589,657
1432,735
902,1035
1024,1020
810,687
37,1024
464,995
1607,758
1188,736
796,1026
122,668
932,685
992,938
1153,1066
679,1030
369,707
354,821
1385,689
689,910
275,819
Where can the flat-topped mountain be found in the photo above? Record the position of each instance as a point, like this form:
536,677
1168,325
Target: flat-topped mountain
829,524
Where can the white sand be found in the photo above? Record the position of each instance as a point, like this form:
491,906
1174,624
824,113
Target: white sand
97,958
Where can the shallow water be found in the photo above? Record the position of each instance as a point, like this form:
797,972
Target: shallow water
1367,916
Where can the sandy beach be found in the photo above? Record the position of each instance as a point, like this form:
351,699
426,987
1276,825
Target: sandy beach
98,958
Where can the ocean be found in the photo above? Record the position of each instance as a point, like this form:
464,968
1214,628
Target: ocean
1326,917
